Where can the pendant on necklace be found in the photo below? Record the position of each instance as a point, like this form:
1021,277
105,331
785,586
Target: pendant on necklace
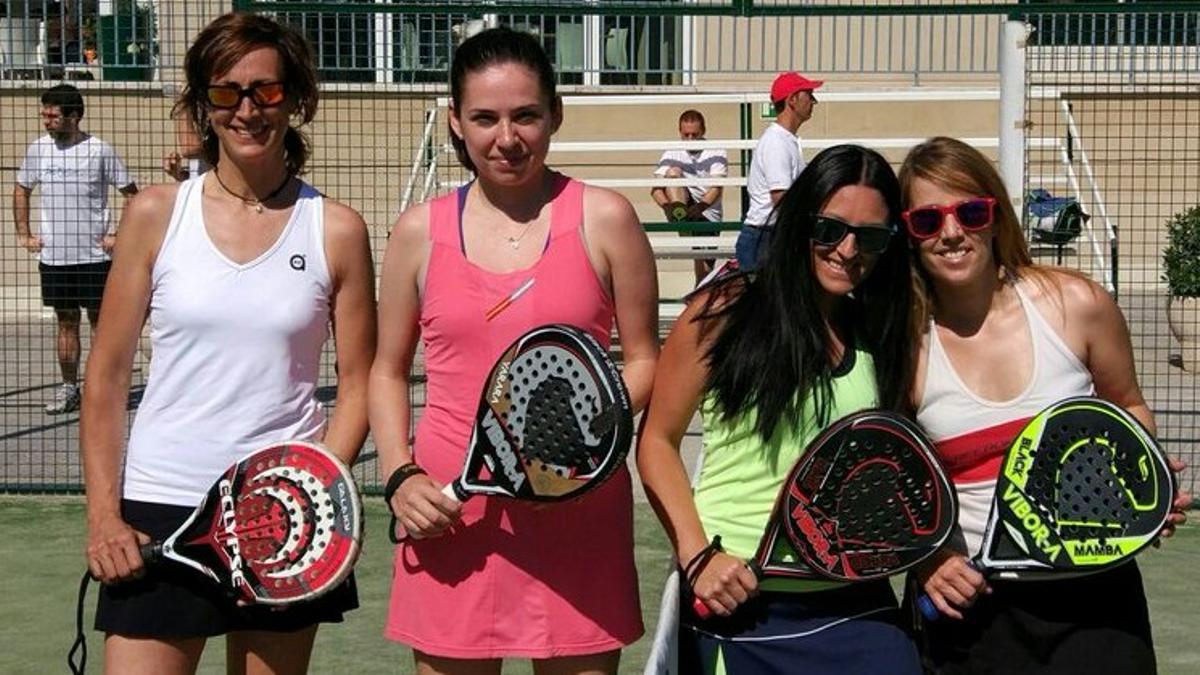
514,241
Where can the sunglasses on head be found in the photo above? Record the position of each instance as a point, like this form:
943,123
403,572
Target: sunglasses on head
924,222
228,96
830,231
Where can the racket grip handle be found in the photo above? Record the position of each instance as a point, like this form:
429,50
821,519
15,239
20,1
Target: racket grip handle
151,552
925,603
452,490
702,609
927,608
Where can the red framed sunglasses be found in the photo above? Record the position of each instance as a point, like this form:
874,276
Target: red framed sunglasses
974,214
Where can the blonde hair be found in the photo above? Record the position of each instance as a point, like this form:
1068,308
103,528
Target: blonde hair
952,164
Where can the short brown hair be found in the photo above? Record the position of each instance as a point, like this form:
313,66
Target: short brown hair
692,116
220,46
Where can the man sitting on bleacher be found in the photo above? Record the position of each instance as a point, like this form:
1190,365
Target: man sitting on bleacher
696,203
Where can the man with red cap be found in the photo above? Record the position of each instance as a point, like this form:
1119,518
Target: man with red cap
776,163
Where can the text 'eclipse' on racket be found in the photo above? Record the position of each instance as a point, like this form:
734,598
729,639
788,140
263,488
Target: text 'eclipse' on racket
1083,488
282,525
867,499
554,421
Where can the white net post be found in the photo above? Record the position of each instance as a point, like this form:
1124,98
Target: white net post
1011,153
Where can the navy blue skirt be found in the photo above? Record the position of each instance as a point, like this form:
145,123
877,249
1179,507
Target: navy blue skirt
847,630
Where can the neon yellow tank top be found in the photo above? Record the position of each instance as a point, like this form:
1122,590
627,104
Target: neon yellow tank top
741,476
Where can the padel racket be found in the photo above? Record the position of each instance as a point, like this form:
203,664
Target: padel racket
282,525
554,421
1083,488
866,500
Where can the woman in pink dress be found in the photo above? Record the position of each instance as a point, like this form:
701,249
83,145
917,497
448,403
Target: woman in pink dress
489,579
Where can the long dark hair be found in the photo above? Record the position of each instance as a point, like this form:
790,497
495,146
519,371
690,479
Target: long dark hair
218,47
492,47
772,347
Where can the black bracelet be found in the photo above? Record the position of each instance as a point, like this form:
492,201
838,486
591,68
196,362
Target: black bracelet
401,474
696,565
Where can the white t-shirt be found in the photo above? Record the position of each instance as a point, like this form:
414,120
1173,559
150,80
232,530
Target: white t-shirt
775,165
703,164
73,196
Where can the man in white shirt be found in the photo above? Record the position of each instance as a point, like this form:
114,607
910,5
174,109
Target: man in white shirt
776,164
693,203
73,242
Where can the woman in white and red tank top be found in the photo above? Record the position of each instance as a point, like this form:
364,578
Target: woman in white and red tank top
1006,338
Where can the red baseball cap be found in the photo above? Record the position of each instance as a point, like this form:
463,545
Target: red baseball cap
789,83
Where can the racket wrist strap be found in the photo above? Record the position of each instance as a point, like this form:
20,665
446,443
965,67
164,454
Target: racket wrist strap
699,561
394,481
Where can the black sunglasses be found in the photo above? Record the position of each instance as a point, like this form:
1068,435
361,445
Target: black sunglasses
925,222
229,96
830,231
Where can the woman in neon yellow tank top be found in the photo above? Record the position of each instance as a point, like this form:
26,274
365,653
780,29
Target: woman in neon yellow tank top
820,331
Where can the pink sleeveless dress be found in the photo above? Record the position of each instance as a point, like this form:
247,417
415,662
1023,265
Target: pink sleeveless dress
510,580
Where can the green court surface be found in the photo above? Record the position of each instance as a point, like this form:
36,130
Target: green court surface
41,557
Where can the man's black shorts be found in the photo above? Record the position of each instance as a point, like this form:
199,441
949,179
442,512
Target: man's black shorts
74,286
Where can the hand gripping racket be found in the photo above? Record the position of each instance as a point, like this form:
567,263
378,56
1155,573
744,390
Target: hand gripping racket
281,526
866,500
1083,488
554,421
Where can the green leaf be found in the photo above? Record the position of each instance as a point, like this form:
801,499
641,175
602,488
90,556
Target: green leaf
1181,258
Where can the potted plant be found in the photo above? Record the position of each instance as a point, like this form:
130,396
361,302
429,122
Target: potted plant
1181,271
128,40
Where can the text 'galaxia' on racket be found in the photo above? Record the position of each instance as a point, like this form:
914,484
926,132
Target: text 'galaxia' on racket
867,499
554,421
1083,488
282,525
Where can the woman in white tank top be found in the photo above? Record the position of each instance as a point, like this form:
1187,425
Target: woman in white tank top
1006,338
242,272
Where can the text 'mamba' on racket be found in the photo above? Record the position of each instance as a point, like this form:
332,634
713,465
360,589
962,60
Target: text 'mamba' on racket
1083,487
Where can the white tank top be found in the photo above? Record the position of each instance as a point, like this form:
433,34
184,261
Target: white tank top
972,434
236,351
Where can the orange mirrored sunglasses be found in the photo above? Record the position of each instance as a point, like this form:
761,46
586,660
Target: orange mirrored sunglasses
264,94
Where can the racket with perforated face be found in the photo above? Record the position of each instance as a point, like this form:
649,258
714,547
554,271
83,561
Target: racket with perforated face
866,500
1084,487
554,421
280,526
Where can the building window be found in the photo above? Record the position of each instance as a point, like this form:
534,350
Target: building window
1112,30
417,48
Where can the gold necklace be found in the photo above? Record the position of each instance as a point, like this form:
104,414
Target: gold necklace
256,203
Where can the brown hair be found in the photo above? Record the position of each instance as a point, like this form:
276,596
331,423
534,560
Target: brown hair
492,47
219,47
692,116
952,164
